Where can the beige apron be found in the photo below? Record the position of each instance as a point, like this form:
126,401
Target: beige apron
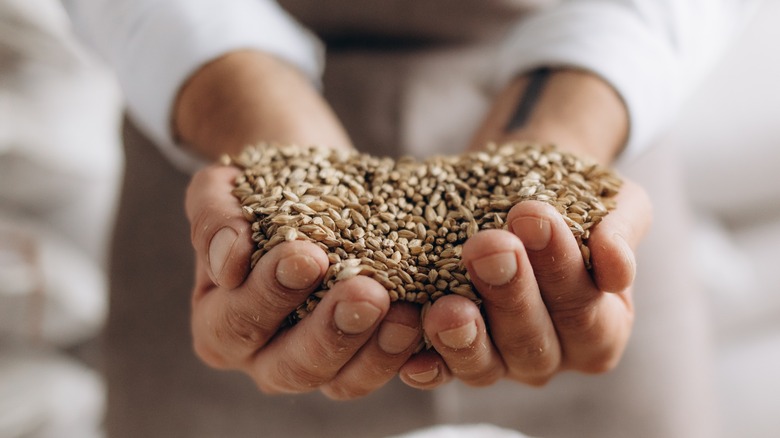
408,83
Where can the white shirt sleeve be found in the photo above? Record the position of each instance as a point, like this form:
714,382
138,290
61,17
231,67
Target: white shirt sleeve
155,45
653,52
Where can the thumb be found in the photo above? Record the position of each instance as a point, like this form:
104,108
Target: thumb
220,234
613,242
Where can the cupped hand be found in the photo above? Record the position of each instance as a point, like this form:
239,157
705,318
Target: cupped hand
350,345
545,311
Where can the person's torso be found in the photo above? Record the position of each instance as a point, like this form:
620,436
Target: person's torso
410,20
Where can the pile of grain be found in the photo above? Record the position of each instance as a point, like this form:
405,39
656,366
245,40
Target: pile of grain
403,222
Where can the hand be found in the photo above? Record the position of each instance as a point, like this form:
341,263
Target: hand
354,341
545,311
351,344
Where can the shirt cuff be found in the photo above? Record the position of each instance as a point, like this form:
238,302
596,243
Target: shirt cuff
614,43
155,46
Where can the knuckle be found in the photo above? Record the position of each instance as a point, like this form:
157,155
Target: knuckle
272,385
482,379
556,269
602,362
599,348
332,344
318,367
358,382
508,299
323,359
263,293
266,387
534,356
476,370
296,377
238,327
332,350
209,355
340,391
535,381
581,318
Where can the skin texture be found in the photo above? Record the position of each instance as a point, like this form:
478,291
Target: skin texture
546,312
551,315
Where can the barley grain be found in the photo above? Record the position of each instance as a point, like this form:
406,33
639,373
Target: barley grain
403,222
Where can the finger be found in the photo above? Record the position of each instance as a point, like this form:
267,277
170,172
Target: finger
457,331
592,326
520,326
229,326
425,370
311,353
614,239
379,360
220,234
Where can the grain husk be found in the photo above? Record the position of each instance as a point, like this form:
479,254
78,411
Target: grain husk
403,222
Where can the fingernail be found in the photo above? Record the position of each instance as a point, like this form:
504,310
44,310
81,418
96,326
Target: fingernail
297,271
459,337
355,318
219,249
425,376
533,231
496,269
394,338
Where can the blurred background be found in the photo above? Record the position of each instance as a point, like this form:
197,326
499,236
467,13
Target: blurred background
61,170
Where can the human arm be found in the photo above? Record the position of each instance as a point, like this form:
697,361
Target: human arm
349,345
201,82
545,311
611,87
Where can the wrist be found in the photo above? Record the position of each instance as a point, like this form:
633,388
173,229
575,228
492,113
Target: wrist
573,109
246,97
